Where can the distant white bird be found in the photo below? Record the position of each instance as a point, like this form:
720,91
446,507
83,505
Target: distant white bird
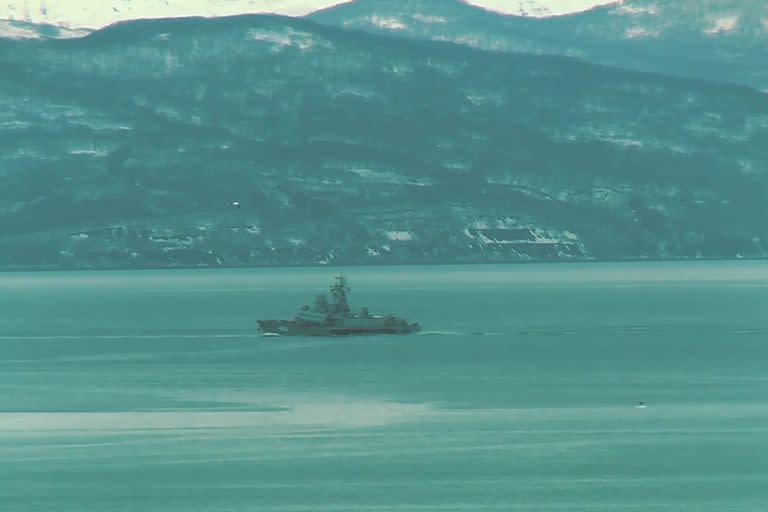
235,204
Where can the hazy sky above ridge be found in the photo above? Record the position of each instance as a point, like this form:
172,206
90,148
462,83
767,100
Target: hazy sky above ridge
554,6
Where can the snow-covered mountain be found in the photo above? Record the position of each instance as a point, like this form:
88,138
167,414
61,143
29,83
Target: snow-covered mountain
130,147
717,20
100,13
724,40
96,14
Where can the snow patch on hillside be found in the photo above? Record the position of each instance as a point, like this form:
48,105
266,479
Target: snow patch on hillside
430,19
399,236
387,23
388,177
641,33
279,40
722,25
634,10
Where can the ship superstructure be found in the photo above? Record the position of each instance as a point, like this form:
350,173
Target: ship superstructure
334,317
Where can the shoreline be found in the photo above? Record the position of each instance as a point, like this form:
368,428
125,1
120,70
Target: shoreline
593,261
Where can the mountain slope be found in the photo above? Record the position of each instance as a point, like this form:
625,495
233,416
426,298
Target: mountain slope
722,41
22,30
129,147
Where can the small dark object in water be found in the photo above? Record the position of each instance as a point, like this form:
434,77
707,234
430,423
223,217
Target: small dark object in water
640,404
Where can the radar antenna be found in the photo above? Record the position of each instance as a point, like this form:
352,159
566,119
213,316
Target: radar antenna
339,294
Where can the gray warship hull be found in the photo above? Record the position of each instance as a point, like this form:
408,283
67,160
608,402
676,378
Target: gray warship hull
345,327
335,318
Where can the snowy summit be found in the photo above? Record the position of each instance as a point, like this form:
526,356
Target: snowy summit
95,14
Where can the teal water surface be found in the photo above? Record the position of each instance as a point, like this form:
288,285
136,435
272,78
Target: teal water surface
151,391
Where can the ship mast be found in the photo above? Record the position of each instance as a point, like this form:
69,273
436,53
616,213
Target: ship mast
339,294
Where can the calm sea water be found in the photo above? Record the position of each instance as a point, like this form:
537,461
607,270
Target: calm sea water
150,391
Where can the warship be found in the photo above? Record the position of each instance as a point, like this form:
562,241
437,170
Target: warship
335,318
